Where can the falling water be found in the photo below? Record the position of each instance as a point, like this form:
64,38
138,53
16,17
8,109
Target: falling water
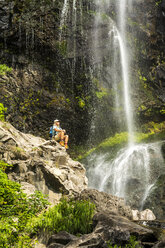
125,64
134,170
115,46
74,24
118,69
63,16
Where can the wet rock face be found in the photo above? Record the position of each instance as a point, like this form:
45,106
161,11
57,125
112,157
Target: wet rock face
42,86
54,77
5,16
156,199
149,50
39,164
161,15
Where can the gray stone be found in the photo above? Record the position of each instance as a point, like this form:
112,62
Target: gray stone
55,245
43,164
61,238
106,202
160,244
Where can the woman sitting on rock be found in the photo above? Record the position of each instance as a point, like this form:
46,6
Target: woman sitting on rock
60,134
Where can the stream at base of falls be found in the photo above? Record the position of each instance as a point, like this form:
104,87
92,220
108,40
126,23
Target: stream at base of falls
132,174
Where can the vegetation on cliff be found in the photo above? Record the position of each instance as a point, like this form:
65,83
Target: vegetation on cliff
21,217
16,208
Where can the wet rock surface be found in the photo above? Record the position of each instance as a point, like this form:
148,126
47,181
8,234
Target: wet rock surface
54,76
157,195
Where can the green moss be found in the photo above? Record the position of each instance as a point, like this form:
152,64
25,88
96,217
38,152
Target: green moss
4,69
62,47
153,132
85,154
158,2
101,94
2,112
81,102
117,139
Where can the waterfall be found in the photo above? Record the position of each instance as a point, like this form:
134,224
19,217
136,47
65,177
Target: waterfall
125,64
133,173
74,25
63,17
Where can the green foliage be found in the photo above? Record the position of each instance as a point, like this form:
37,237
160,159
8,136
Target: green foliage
62,47
132,244
158,2
81,102
15,210
151,128
4,69
2,111
101,94
72,216
117,139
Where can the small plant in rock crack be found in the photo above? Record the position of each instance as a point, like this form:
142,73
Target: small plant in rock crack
132,244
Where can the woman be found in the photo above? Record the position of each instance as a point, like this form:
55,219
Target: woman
60,134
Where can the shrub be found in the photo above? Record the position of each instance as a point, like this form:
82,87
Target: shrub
72,216
16,209
132,244
2,112
4,69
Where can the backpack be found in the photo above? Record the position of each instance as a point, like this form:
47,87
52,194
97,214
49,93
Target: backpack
51,132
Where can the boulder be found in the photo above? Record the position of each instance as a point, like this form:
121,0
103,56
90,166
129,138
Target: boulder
106,202
113,228
135,214
61,238
146,214
160,244
55,245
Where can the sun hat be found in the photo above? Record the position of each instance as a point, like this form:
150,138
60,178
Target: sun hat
56,120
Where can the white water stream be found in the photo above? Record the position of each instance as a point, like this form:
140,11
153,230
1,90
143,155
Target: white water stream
124,7
63,17
134,171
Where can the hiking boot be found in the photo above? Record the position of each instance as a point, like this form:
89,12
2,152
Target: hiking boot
66,146
62,143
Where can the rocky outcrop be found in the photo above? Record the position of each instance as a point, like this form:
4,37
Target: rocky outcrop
157,195
108,228
110,224
40,164
106,203
45,83
147,214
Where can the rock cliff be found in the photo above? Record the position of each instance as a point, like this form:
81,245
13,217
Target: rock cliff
40,164
55,72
